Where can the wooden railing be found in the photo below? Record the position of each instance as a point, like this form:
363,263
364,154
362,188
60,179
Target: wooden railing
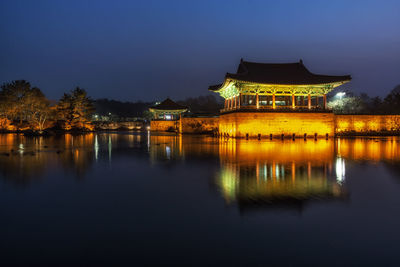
285,108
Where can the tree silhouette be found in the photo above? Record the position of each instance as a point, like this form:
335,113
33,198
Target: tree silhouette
21,102
74,110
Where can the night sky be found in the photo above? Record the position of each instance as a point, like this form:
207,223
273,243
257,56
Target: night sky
147,50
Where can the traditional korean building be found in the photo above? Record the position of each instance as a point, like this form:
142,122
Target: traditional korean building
266,86
167,110
270,100
286,100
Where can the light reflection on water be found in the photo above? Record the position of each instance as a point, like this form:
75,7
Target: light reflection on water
158,174
276,173
250,173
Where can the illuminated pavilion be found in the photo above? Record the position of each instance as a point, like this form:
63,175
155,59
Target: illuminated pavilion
270,86
167,110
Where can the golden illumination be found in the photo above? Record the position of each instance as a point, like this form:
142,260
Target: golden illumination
367,123
270,171
251,124
265,170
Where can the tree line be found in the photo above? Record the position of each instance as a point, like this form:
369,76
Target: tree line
351,103
119,110
24,107
364,104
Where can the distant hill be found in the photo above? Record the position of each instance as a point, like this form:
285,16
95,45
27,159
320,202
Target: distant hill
209,104
120,109
396,90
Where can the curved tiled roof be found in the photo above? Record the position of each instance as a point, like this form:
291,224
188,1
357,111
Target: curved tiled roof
168,104
279,73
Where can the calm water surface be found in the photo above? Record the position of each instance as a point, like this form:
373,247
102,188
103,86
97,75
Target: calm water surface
128,198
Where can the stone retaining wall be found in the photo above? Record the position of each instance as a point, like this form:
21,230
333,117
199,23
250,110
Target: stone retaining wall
188,125
200,125
253,124
163,126
362,124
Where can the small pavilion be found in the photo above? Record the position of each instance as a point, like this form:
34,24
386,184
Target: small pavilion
272,86
167,110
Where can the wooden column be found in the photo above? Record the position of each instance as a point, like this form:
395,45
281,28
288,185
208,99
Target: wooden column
235,99
324,101
293,101
239,100
225,105
257,102
316,101
309,101
273,101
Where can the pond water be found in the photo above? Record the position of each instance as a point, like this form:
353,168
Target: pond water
131,198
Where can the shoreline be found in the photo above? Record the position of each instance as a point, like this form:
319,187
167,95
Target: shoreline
286,137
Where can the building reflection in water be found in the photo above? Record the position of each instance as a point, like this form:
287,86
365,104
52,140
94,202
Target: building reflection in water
279,173
369,149
340,170
251,174
178,148
271,174
166,148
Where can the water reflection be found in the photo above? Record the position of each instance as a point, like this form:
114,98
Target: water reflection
274,174
251,174
369,149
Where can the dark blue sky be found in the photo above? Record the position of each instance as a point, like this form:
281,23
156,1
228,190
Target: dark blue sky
131,50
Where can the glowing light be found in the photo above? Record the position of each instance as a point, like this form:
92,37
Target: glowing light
340,94
240,124
340,170
21,148
109,148
148,140
229,184
96,148
168,152
265,171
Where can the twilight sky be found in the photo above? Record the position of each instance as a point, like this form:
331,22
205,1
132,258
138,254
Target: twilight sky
146,50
